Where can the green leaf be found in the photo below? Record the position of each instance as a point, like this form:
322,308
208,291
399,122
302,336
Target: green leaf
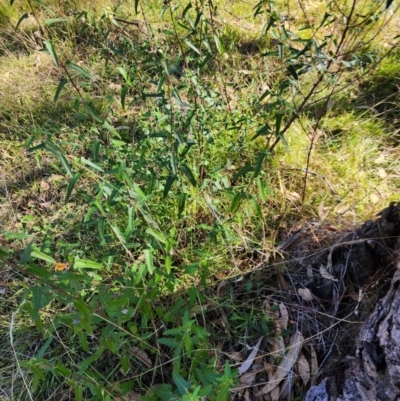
60,87
37,293
237,200
168,184
38,271
193,47
265,130
26,255
182,385
169,342
87,264
218,44
71,185
181,203
91,164
244,170
11,235
4,252
157,235
81,306
92,111
263,190
257,209
186,170
81,71
26,15
148,253
62,370
118,234
42,256
50,48
53,21
260,159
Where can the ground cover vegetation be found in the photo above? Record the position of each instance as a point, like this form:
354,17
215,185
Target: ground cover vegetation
152,156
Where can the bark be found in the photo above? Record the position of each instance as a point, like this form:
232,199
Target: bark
366,364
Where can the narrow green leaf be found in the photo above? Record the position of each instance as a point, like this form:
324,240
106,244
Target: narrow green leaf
124,91
265,130
260,159
42,256
181,203
81,71
4,252
37,293
257,209
38,271
62,370
91,110
60,87
53,21
87,264
278,121
26,15
181,384
71,185
26,255
169,342
263,190
118,234
168,185
81,306
186,170
157,235
244,170
148,253
237,200
293,72
187,8
218,44
50,48
192,46
136,6
91,164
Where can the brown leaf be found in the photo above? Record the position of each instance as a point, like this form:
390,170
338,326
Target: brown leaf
248,378
313,363
304,368
287,363
250,359
305,293
284,318
142,356
44,185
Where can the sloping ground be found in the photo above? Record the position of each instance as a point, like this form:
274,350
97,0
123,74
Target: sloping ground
336,315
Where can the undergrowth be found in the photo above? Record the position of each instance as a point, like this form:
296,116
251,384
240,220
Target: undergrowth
150,151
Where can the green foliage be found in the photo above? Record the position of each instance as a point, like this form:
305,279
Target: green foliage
153,141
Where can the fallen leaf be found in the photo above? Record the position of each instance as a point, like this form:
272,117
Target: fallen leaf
248,378
305,293
287,363
247,395
235,356
142,356
44,185
221,285
60,267
313,363
382,173
304,368
374,198
250,359
325,274
284,318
